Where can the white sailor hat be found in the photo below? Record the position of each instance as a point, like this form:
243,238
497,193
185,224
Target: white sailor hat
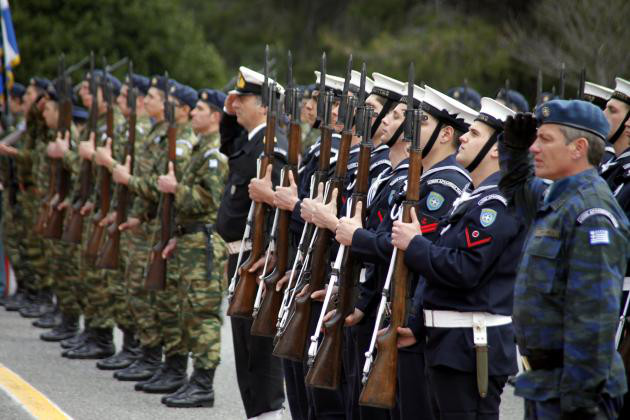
597,91
387,87
332,83
250,82
418,95
622,90
355,83
447,109
493,113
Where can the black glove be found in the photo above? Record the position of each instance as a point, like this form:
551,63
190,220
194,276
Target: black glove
585,413
520,131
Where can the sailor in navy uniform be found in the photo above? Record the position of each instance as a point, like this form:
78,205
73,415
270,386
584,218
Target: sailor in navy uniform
242,129
463,300
599,95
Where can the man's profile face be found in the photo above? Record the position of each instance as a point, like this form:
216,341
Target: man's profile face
615,112
154,102
552,154
247,109
472,142
51,114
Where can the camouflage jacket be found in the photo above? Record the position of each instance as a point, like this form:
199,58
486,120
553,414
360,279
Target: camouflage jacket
568,286
36,132
199,191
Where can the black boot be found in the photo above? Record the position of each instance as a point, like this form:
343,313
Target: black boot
75,341
18,301
50,319
68,328
142,368
197,392
124,357
41,304
172,376
100,347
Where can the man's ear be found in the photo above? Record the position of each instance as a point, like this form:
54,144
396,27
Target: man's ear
580,148
446,134
494,151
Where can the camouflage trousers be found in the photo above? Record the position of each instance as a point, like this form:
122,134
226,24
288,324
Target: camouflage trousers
95,284
33,263
64,272
140,302
118,291
13,234
198,281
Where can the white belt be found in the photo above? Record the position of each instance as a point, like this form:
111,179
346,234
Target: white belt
626,284
235,247
478,321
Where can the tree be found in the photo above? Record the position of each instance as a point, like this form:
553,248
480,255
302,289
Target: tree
157,35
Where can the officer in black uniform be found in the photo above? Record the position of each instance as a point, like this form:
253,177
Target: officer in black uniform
242,130
466,285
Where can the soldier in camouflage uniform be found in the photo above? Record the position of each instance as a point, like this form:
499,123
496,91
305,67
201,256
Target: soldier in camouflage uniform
27,159
199,256
568,288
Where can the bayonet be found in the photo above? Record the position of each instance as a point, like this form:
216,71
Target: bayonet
321,103
345,103
265,86
562,80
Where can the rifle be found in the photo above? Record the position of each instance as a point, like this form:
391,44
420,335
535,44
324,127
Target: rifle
325,361
61,186
266,312
539,87
379,378
292,332
562,81
297,327
156,275
98,231
109,255
581,83
74,228
242,302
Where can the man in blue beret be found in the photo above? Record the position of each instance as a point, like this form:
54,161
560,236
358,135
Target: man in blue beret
513,100
568,286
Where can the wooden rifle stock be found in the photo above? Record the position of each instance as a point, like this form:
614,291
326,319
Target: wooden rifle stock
156,275
265,322
109,255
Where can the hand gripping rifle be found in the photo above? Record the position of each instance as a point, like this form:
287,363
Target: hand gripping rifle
266,311
60,180
109,254
297,328
98,232
74,228
156,275
242,302
292,332
326,360
379,377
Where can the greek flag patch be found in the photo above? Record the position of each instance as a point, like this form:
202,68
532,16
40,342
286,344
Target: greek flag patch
599,237
487,217
213,163
179,151
434,201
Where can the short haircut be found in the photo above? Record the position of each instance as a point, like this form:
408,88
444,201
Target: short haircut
595,143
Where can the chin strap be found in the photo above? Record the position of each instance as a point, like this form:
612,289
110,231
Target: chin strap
387,106
620,130
426,149
397,133
483,152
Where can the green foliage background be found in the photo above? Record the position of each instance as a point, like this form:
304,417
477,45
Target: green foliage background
202,42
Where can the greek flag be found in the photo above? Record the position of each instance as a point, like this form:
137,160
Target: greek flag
10,51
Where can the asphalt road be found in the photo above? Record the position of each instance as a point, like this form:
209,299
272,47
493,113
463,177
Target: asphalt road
85,392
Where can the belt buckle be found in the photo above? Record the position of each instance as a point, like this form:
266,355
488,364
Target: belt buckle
480,333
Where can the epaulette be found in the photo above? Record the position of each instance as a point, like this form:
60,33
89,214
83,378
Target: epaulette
446,183
597,212
184,141
491,197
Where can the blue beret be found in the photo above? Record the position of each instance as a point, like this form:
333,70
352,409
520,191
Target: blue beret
513,99
40,82
99,74
79,113
18,90
52,92
466,95
185,94
143,83
212,97
161,83
575,113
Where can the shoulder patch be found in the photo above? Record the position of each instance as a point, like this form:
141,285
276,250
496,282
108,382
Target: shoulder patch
599,237
211,152
185,142
597,212
487,217
434,201
491,197
179,151
446,183
474,237
213,163
380,162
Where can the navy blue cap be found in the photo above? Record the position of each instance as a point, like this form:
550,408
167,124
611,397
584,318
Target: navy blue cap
575,113
52,92
513,99
212,97
161,83
40,82
79,114
99,74
466,95
18,90
185,94
141,82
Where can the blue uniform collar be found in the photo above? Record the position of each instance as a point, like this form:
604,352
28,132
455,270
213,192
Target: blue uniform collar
491,181
560,191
